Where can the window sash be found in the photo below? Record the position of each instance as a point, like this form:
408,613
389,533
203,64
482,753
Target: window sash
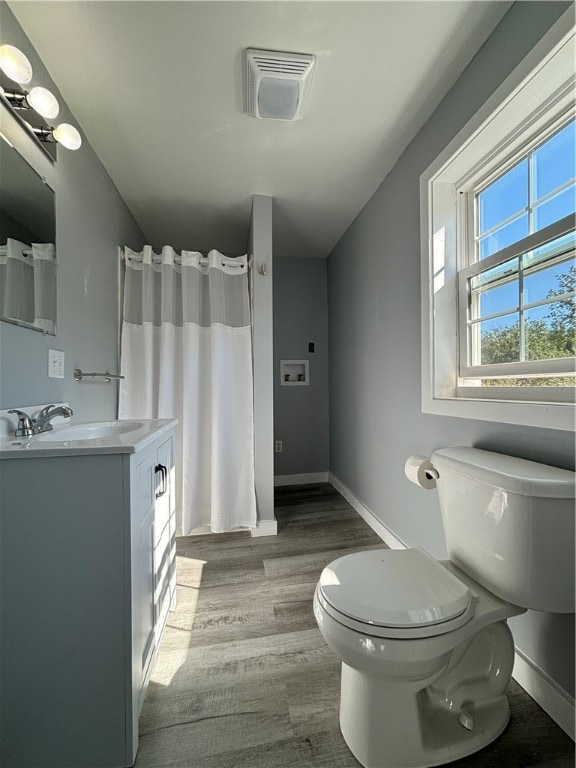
478,182
527,209
552,367
528,152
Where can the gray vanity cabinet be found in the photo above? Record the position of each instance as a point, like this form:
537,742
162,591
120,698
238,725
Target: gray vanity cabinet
153,573
86,581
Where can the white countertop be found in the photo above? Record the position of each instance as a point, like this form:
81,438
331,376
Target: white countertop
127,442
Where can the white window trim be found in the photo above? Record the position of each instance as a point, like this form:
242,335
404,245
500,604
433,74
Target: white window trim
525,98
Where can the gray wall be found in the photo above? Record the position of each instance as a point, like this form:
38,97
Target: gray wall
9,227
260,248
91,222
301,413
374,329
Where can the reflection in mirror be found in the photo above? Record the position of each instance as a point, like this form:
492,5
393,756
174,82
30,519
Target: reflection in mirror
27,251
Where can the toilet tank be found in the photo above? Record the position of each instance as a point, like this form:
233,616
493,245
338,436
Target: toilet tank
509,524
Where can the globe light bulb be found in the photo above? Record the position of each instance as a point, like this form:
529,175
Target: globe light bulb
44,102
68,136
15,65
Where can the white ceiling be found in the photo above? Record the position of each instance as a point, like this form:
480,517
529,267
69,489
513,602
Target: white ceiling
157,88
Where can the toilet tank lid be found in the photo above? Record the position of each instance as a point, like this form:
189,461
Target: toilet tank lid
528,478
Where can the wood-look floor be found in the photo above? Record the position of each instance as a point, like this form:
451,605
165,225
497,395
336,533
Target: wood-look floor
244,678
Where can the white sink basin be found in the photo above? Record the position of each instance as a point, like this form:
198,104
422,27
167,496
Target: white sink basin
97,430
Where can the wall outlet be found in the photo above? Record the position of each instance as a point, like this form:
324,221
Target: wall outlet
55,364
278,446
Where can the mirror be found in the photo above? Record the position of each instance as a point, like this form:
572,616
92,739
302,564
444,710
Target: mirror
27,245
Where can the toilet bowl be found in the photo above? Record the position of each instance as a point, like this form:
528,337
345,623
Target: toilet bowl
425,664
426,652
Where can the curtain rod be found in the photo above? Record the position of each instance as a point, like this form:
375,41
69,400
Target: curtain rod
203,260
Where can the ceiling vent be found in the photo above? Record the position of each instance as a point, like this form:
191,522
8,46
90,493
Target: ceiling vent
277,84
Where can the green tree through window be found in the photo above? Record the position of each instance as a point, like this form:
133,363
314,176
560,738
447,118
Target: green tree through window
551,337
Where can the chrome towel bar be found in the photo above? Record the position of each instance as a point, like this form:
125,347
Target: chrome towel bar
79,375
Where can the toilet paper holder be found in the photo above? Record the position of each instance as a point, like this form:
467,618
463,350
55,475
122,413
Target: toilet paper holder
419,470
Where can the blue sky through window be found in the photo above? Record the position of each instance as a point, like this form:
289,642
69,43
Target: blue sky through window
505,197
514,201
554,161
506,235
562,204
539,284
513,206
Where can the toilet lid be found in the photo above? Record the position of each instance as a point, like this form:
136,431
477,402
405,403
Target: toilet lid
394,588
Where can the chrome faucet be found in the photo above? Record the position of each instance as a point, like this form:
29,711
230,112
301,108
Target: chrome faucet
42,423
25,428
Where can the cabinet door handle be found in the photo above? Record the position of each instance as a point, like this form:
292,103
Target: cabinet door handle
158,468
163,480
165,473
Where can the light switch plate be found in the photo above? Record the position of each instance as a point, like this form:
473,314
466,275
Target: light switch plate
55,364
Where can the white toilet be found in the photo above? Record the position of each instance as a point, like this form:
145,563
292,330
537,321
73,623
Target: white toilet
426,652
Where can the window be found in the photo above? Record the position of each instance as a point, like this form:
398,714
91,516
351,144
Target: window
517,297
498,244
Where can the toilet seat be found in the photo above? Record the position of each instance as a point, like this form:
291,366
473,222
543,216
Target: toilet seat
395,594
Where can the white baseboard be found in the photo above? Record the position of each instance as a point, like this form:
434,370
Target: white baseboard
265,528
304,479
538,684
367,515
554,700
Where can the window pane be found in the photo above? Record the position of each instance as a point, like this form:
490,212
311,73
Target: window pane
507,235
492,300
562,245
504,197
554,161
496,341
549,331
555,208
490,277
543,282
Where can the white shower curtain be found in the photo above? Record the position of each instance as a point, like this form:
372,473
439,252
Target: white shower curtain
187,354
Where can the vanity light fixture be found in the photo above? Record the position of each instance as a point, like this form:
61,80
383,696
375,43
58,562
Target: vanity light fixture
39,99
44,102
64,134
67,135
15,66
